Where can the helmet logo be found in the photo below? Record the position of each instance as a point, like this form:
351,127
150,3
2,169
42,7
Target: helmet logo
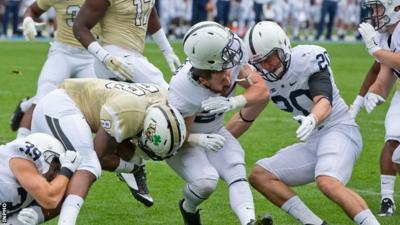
151,135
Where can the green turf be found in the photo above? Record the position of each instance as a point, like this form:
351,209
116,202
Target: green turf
110,202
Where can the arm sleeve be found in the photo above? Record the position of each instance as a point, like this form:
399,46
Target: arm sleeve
320,84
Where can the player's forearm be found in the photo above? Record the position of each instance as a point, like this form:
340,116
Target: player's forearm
242,120
369,79
48,195
322,109
256,94
82,33
388,58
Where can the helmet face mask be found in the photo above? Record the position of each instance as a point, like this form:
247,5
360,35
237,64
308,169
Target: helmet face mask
164,132
279,70
232,53
381,13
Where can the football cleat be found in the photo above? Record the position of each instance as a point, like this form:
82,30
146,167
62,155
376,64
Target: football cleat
17,116
136,182
262,220
189,218
387,207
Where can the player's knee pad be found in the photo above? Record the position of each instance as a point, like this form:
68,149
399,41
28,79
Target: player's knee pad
396,155
202,188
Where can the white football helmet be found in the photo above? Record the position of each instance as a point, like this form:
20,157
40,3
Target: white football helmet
164,132
385,13
210,46
265,39
45,148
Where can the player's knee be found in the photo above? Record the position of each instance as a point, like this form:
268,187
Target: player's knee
260,175
204,187
328,185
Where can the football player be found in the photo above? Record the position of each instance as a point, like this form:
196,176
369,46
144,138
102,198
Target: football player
66,56
34,174
301,82
382,40
216,65
116,112
124,25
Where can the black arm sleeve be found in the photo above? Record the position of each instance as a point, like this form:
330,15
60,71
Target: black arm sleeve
320,84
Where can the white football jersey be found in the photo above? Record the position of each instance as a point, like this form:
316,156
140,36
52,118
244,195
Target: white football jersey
292,94
11,191
187,94
391,42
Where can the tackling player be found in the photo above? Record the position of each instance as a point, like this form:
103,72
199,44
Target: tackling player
216,65
124,25
301,82
116,112
382,42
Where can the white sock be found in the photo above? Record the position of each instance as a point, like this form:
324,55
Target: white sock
296,208
387,186
124,166
241,201
26,104
23,132
365,218
70,210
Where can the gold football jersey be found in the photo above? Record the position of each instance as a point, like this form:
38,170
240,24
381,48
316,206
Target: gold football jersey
125,24
66,11
118,107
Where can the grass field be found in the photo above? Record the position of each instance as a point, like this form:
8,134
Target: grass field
110,202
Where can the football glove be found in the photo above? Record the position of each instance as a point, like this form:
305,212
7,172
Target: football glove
161,40
356,106
69,161
307,125
29,28
370,37
119,67
172,60
371,100
221,104
213,142
28,216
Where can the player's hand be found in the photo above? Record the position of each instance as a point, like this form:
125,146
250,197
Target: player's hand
371,100
221,104
355,108
29,28
70,160
213,142
119,66
370,37
307,125
28,216
172,60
